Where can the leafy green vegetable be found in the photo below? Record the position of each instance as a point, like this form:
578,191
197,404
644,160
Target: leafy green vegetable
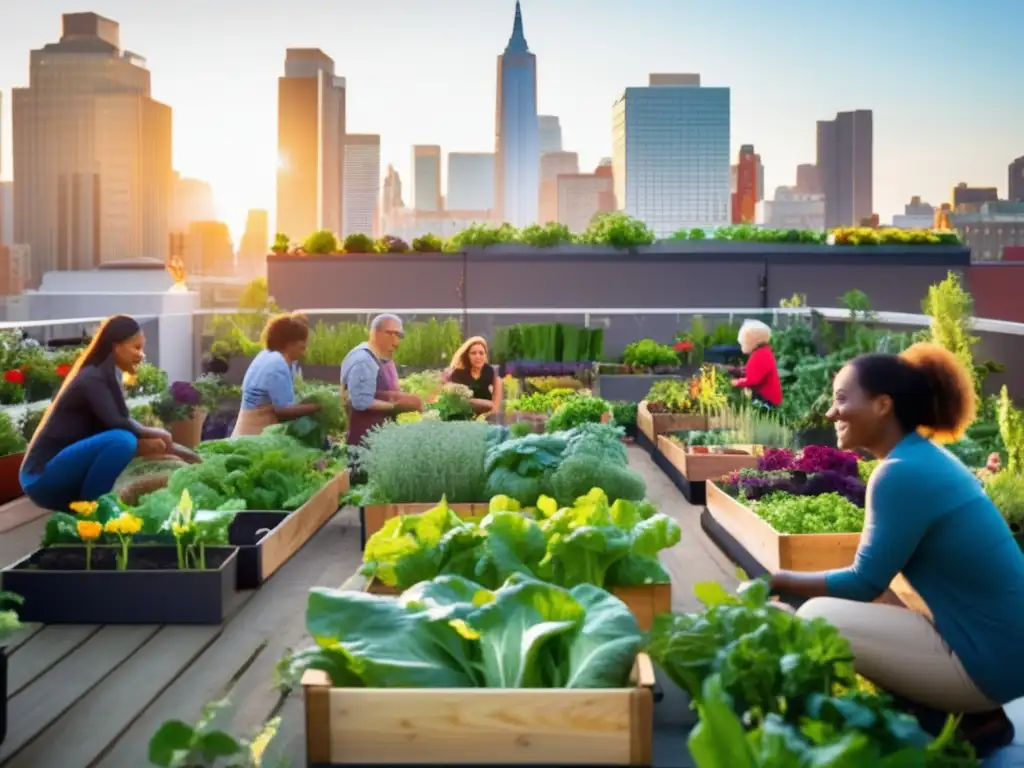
579,410
592,542
827,513
328,421
520,468
578,474
453,633
603,441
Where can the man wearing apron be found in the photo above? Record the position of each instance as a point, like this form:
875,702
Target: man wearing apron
369,382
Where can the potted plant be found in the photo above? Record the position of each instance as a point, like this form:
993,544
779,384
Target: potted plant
9,624
180,408
12,452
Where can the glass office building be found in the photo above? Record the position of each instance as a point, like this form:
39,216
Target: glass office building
670,155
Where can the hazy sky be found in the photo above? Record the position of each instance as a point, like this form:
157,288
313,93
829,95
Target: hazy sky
943,78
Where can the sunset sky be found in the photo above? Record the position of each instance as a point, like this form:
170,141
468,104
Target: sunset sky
943,78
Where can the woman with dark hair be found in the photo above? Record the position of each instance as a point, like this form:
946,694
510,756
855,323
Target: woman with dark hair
268,389
86,437
928,518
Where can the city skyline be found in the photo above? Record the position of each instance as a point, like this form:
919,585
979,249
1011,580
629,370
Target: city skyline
935,123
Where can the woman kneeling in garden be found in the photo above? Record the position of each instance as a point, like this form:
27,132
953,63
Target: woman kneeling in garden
928,518
86,437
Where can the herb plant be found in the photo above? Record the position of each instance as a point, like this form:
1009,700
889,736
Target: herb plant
176,744
823,513
425,462
579,410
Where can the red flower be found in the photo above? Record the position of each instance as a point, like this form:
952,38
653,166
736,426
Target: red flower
684,346
14,377
63,370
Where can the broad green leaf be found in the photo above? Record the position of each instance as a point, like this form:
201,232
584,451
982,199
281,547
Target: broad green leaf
389,645
633,570
214,744
603,650
654,534
718,740
711,593
586,553
515,629
171,738
512,544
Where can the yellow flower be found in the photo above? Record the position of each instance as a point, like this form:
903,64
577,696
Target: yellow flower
89,530
179,529
124,525
84,508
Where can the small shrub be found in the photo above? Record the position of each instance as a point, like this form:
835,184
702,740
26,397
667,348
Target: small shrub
358,243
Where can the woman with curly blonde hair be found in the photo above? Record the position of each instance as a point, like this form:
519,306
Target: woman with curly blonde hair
470,367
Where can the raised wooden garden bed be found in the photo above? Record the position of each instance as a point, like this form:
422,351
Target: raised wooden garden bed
374,517
653,424
779,551
266,540
691,468
645,600
57,588
479,726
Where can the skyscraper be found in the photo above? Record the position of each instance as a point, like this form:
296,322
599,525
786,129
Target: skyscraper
362,184
553,165
846,167
310,144
1015,181
426,177
670,154
550,131
470,181
747,186
255,239
517,140
92,153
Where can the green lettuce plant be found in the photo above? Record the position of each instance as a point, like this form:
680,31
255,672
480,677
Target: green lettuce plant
453,633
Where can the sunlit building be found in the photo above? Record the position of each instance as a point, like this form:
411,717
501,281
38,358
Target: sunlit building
92,153
747,185
1015,181
362,184
792,209
549,129
581,196
310,141
846,167
553,165
517,139
670,153
252,249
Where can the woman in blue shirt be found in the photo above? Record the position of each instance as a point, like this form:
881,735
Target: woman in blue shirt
268,389
927,517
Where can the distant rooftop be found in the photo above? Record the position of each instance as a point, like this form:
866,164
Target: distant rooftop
658,79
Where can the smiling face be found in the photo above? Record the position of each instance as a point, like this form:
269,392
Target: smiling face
860,419
387,337
130,353
477,356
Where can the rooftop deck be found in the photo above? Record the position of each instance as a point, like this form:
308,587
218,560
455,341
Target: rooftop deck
92,696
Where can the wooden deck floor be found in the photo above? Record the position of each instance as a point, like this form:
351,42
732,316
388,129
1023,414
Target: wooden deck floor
92,696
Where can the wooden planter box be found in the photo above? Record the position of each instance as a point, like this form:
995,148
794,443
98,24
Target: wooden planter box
689,471
479,726
654,424
261,556
645,600
779,551
376,515
10,484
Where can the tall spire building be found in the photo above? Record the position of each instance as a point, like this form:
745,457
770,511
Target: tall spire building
517,139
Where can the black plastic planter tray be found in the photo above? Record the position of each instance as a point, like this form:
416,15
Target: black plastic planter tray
247,532
644,442
159,595
695,491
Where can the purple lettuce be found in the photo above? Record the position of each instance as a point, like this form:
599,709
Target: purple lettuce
830,481
776,460
184,393
820,458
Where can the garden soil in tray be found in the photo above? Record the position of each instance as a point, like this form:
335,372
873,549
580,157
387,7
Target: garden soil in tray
58,590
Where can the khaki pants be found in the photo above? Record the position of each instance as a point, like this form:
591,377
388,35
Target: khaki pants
900,651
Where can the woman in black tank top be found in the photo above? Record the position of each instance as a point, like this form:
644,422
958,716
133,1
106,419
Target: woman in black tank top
470,368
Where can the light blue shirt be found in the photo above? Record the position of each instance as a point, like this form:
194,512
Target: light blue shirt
269,381
359,372
929,518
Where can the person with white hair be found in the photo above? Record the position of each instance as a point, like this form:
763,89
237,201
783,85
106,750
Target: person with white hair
369,380
761,373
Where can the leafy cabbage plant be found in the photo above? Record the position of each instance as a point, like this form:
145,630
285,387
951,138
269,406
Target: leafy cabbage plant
453,633
592,542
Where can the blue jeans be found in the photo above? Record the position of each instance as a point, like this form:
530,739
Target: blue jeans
83,471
